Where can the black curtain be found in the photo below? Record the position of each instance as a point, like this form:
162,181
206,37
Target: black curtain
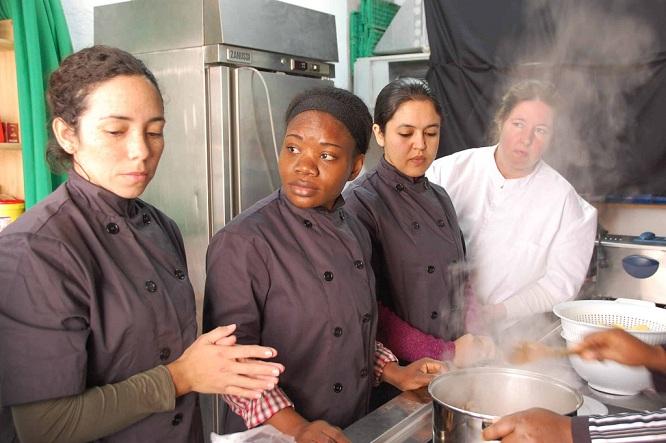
607,57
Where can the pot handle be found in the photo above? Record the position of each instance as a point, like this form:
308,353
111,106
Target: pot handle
484,425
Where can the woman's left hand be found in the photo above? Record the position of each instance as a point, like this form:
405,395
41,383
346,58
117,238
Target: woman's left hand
413,376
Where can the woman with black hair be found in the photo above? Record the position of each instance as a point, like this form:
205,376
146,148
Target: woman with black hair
418,251
293,273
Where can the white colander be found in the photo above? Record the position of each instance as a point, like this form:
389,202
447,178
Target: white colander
582,317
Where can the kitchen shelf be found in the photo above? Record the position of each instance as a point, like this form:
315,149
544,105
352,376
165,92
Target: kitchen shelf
647,199
11,154
6,44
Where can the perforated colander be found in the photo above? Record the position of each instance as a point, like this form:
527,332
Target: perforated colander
582,317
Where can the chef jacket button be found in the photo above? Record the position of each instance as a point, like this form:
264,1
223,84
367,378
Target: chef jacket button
180,274
337,332
399,187
366,317
177,419
364,372
441,223
328,276
146,219
359,264
434,315
416,225
112,228
307,223
151,286
165,353
337,388
431,269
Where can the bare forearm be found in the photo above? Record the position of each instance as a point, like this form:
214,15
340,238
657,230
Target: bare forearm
392,373
97,412
179,379
658,361
287,421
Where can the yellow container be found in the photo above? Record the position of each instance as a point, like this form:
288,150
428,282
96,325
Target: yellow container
12,208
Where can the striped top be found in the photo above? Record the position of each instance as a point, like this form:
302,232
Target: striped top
625,427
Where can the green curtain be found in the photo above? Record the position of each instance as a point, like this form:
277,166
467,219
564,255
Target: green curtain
41,42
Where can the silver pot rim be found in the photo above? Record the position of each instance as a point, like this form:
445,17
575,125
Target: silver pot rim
494,370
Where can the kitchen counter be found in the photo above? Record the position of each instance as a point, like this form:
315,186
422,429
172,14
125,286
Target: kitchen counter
647,400
408,417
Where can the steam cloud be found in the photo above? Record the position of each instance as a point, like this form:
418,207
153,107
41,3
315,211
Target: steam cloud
599,58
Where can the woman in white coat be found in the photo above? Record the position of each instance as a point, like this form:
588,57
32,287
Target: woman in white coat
529,234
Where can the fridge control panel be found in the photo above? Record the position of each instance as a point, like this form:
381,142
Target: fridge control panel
309,67
270,61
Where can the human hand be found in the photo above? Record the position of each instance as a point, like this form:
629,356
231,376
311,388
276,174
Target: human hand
420,395
620,346
413,376
320,432
533,425
213,364
290,422
473,349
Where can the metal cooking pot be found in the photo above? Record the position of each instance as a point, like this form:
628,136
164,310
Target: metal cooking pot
468,400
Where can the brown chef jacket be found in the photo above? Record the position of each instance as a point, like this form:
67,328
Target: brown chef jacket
297,280
415,239
94,289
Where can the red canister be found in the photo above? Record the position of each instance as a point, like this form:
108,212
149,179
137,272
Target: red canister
12,133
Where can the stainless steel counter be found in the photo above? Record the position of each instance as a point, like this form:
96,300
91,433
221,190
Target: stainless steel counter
408,417
645,401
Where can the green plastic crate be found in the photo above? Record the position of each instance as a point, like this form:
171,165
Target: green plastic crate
355,36
353,54
367,26
370,40
355,25
378,13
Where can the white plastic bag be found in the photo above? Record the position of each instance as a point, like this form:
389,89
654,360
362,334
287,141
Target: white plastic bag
260,434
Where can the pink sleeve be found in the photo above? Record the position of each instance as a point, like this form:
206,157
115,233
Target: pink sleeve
256,411
407,342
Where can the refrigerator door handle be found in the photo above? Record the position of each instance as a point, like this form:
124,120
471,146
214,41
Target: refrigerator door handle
220,146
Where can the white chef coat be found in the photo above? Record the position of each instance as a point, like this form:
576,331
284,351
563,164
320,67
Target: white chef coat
529,239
